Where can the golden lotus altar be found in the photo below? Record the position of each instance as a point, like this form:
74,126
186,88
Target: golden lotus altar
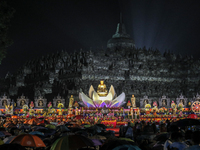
102,97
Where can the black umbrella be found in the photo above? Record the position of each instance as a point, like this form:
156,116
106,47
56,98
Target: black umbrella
12,147
113,143
102,126
186,122
82,132
162,137
2,129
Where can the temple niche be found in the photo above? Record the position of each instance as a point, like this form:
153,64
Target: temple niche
182,100
164,101
197,97
145,100
40,102
4,100
22,101
58,100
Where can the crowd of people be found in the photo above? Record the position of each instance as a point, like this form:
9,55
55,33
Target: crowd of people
144,135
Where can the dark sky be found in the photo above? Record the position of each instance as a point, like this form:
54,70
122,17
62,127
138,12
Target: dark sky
41,27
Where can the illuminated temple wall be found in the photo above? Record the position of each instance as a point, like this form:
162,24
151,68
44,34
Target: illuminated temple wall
132,73
138,72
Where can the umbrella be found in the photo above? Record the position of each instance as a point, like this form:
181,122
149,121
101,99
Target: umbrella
2,129
1,142
62,128
127,147
162,136
47,141
102,126
12,147
36,133
26,121
192,116
71,142
61,123
33,121
82,132
50,126
5,133
87,125
8,139
39,127
2,134
126,139
99,137
44,122
96,142
47,132
54,123
24,127
114,143
28,140
68,124
186,122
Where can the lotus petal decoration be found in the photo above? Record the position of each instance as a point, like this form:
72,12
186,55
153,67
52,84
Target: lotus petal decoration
95,100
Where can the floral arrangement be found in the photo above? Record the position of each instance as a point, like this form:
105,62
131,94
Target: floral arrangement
165,110
31,104
180,106
31,111
38,111
128,104
173,105
8,107
76,104
53,110
147,106
60,105
25,107
49,105
155,109
161,110
155,104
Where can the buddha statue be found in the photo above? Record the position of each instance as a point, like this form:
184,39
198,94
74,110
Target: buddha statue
71,101
133,101
102,97
102,90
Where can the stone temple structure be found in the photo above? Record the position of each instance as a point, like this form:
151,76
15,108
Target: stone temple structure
145,73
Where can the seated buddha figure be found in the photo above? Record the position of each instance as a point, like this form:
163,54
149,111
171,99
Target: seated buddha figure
102,90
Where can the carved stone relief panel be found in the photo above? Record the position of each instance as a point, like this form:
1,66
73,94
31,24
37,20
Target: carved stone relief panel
4,101
22,101
58,100
181,99
145,100
40,102
164,101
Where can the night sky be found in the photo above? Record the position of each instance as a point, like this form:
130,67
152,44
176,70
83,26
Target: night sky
41,27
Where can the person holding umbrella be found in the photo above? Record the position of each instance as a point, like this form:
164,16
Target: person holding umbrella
196,140
176,138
